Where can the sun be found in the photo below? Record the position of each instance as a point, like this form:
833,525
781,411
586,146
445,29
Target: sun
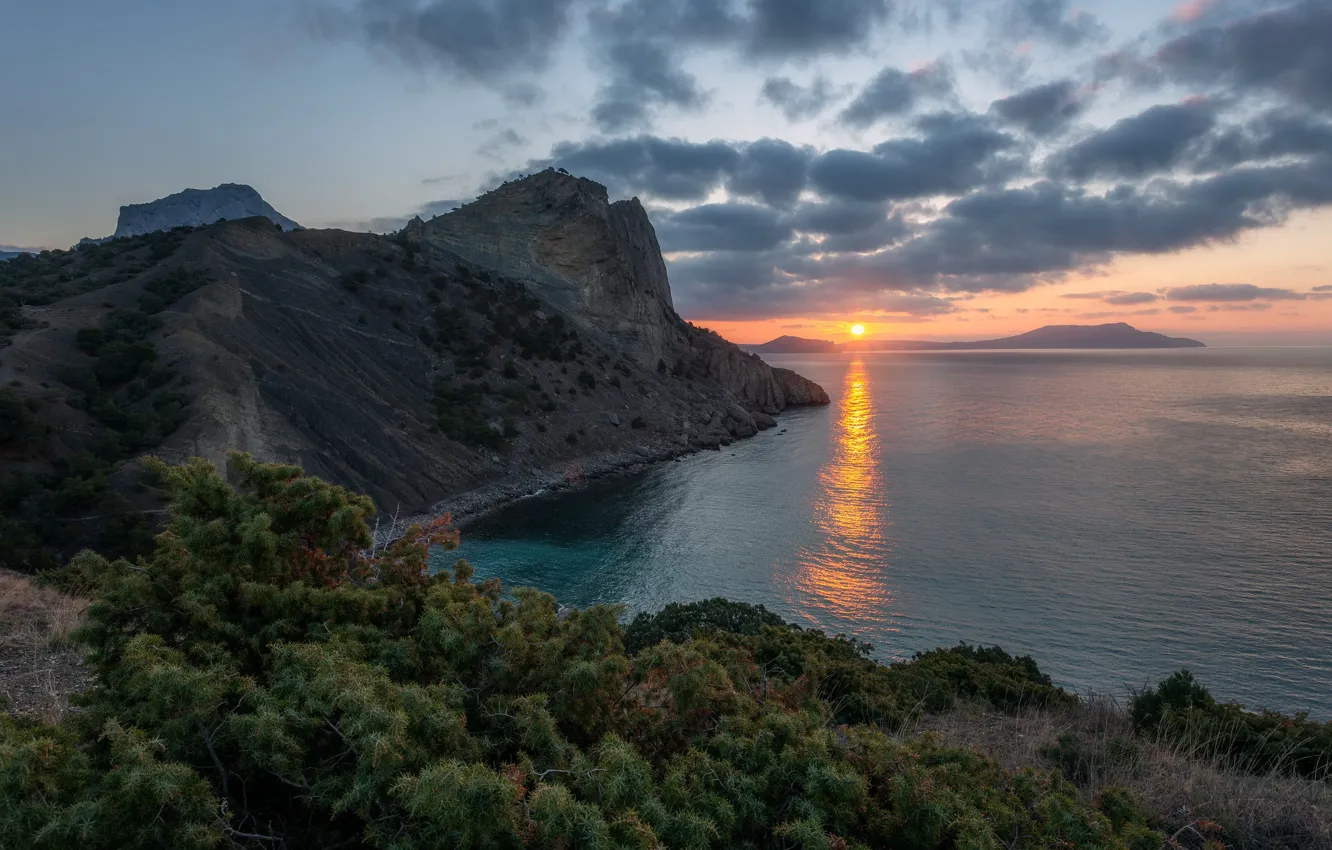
857,330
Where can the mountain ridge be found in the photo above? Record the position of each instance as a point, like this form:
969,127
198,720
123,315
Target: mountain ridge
416,367
1112,335
194,208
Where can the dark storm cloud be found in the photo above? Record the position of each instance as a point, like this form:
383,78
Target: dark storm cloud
1057,21
895,92
1151,141
953,154
1225,292
799,103
1284,50
722,227
480,39
1042,110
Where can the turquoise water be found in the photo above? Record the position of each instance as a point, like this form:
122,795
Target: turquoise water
1117,515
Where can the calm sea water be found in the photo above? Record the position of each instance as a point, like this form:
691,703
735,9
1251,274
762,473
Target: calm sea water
1117,515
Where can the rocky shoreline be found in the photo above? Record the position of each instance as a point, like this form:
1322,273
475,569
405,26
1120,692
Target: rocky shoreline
471,505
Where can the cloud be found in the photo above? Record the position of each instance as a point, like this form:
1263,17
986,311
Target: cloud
938,210
495,145
1322,289
1182,309
1273,134
643,45
838,217
484,40
639,44
722,227
666,169
645,77
1042,110
1229,308
770,169
1151,141
1231,292
1056,21
394,223
1118,298
1191,10
895,92
799,103
1282,50
1009,239
1108,314
804,28
951,156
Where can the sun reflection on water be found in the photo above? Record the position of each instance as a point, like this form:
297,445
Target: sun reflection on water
844,576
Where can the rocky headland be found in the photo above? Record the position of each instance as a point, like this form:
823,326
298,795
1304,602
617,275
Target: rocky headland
524,341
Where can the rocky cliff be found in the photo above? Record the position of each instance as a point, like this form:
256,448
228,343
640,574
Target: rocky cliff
197,207
525,339
600,263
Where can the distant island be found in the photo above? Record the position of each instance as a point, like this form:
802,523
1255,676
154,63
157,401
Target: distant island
1113,335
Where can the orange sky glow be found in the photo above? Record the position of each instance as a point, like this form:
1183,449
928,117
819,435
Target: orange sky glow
1296,256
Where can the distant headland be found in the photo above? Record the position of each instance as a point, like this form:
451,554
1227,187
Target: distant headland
1114,335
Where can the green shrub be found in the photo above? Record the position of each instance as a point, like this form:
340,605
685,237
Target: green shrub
1182,712
18,426
264,681
678,622
125,390
161,292
460,416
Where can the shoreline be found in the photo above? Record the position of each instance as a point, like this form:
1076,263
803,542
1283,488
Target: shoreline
471,505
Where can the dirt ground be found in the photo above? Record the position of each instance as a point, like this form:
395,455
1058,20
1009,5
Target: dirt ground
39,669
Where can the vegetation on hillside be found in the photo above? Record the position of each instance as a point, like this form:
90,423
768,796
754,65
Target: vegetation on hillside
36,280
52,500
1180,710
267,678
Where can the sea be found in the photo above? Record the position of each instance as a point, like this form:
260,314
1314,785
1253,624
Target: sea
1117,515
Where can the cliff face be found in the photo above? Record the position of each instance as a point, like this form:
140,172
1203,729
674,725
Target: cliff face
601,263
196,208
596,261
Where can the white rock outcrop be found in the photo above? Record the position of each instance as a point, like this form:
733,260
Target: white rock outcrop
198,207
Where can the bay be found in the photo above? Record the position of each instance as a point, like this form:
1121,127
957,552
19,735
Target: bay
1117,515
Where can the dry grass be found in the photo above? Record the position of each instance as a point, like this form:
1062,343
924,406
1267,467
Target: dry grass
1095,745
38,669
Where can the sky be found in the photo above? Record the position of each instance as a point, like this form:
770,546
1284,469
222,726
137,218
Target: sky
932,169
